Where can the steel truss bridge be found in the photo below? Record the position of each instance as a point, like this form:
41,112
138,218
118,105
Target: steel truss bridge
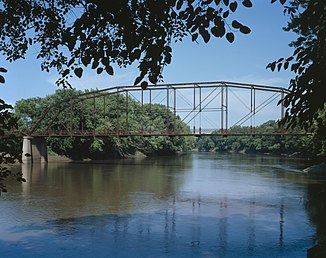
207,108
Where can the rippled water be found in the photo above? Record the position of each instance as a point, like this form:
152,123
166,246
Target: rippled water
198,205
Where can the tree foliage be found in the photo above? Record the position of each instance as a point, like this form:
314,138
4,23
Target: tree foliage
73,34
257,144
30,110
308,62
9,152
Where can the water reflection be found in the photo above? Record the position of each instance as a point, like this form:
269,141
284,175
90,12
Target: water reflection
316,207
68,190
205,205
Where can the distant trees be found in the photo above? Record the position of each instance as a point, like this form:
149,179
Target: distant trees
257,144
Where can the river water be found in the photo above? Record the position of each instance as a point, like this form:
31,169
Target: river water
196,205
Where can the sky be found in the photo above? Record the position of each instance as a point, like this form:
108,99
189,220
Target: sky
244,60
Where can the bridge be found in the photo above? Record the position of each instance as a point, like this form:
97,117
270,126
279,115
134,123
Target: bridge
207,108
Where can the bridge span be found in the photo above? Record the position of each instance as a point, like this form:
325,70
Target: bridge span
206,108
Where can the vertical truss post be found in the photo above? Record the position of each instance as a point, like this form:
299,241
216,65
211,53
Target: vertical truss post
251,108
174,109
222,109
94,109
200,109
226,108
254,110
127,125
167,109
251,104
117,111
282,112
142,108
194,117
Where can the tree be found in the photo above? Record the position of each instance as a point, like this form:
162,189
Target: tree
308,61
8,150
72,34
138,118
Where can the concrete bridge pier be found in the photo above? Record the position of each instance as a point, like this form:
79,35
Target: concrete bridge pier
34,150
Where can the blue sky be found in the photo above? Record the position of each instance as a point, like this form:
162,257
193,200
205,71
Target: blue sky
244,60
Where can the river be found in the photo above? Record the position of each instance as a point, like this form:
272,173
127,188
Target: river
196,205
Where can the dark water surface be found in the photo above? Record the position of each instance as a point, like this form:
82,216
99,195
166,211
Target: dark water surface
198,205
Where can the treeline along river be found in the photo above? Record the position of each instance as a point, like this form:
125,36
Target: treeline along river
195,205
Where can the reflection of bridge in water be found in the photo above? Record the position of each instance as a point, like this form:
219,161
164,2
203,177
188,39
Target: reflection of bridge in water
187,225
208,108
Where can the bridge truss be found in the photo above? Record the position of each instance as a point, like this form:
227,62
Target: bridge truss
207,108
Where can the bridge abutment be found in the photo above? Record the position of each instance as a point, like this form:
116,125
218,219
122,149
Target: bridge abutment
34,150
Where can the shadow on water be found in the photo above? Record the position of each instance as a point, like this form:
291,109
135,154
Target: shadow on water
316,208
